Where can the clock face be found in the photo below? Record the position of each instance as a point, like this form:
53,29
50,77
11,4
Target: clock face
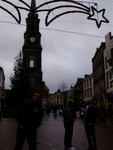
32,39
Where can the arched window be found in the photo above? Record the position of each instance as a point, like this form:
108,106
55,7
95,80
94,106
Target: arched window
32,62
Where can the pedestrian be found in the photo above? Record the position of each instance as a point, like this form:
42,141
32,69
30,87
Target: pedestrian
68,118
55,108
89,123
29,118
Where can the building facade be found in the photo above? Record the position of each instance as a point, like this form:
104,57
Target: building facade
70,94
88,91
99,75
2,81
78,92
108,63
45,95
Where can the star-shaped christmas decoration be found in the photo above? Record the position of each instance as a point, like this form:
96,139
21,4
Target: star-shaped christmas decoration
95,16
73,7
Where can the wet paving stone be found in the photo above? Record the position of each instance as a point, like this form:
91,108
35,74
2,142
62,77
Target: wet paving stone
50,136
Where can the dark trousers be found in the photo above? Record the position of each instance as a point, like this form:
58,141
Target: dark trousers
68,135
23,134
90,133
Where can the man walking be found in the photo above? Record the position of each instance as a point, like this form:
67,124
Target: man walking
89,123
68,117
29,118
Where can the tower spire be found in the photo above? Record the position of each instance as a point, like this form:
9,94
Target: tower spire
33,4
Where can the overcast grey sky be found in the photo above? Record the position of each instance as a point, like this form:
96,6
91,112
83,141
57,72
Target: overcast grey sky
69,43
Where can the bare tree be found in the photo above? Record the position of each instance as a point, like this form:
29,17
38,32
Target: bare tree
63,86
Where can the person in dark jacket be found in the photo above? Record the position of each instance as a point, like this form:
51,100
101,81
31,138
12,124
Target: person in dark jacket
29,118
68,118
89,123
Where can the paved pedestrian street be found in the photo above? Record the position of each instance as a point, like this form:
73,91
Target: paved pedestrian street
51,134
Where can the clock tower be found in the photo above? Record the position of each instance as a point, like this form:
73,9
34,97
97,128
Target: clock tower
32,50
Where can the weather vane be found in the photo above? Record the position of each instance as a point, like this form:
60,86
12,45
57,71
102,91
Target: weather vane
73,7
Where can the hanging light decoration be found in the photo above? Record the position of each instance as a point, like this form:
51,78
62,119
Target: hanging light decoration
73,7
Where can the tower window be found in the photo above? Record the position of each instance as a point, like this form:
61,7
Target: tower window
32,62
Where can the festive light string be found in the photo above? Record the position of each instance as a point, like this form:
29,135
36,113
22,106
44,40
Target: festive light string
73,7
58,30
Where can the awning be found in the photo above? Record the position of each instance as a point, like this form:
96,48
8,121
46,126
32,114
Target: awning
109,96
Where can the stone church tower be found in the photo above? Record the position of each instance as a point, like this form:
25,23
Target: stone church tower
32,50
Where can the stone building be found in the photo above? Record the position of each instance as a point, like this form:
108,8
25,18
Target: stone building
108,63
99,75
88,91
